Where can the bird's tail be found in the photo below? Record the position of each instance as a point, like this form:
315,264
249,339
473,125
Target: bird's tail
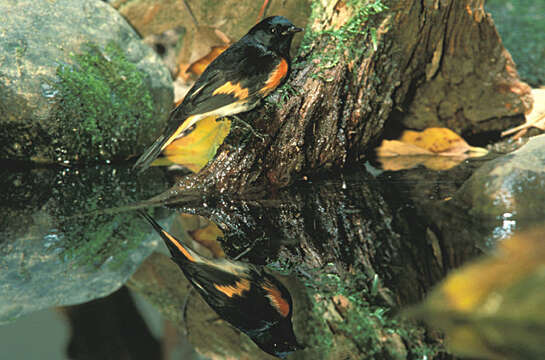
178,249
150,154
173,132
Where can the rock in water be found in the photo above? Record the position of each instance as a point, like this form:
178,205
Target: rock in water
77,84
509,189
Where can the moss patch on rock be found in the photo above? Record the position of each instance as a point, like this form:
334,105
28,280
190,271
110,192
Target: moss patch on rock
100,93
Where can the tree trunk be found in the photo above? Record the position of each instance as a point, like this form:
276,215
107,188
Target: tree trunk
421,63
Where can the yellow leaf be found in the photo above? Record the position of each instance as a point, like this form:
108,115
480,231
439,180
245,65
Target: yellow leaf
435,148
198,147
437,140
201,233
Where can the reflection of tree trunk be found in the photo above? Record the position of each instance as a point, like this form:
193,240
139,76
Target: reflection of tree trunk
367,226
109,328
438,62
363,230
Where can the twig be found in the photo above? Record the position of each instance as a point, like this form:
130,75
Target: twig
191,13
262,11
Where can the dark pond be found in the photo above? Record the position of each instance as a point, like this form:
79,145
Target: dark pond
83,276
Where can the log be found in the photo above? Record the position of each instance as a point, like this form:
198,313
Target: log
360,68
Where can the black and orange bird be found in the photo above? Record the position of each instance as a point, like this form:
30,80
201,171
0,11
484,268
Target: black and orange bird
235,82
244,295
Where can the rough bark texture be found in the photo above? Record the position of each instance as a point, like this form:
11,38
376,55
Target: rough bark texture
438,62
461,75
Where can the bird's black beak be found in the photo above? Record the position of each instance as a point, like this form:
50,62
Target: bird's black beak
295,29
291,30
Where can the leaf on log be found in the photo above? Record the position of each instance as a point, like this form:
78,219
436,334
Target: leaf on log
435,148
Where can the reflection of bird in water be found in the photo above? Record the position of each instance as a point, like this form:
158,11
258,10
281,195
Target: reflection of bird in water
244,295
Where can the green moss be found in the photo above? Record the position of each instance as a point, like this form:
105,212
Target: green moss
353,32
104,104
91,234
370,327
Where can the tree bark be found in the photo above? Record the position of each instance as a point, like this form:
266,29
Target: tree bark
428,63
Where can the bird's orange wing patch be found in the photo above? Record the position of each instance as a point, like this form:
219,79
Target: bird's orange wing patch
276,298
231,290
180,247
229,88
275,78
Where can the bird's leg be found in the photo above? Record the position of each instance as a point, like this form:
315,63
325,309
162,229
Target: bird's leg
248,126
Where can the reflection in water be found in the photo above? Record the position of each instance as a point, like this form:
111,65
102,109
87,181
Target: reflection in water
247,297
109,328
356,246
494,307
58,246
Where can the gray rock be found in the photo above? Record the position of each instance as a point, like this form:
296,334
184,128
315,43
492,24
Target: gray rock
76,83
59,243
510,188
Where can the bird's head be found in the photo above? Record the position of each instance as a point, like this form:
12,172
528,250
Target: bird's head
275,32
279,340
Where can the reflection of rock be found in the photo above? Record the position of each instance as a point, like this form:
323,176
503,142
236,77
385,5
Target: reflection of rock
96,334
77,83
51,253
511,187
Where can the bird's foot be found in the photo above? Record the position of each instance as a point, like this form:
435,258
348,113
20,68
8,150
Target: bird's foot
250,128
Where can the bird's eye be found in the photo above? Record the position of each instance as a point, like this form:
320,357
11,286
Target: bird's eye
273,30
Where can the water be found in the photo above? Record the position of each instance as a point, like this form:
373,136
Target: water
374,240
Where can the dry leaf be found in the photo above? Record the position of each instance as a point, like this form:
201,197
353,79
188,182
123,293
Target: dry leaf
200,233
435,148
208,43
495,305
208,237
437,140
198,66
203,233
536,117
198,147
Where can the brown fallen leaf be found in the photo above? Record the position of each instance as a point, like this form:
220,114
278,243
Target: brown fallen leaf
201,233
198,147
208,237
494,307
536,117
208,43
435,148
198,66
